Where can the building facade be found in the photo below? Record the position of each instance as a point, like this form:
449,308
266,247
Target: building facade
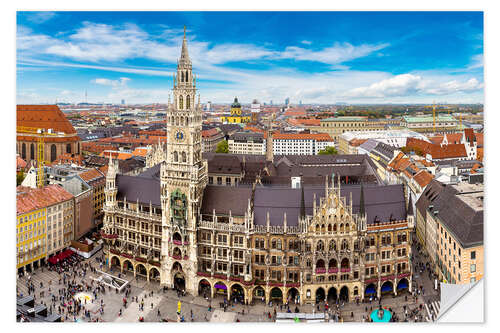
427,124
253,240
63,138
247,143
338,125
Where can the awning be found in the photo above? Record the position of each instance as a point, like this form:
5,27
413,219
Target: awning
402,284
370,291
220,286
386,287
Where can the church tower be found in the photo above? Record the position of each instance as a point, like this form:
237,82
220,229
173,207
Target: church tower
183,179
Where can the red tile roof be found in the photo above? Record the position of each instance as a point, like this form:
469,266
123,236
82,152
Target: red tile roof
436,139
209,132
44,116
454,138
479,139
357,142
91,174
30,199
436,151
423,178
20,163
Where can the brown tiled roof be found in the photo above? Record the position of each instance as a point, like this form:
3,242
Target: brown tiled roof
29,199
436,139
209,132
479,139
423,178
437,152
357,142
20,163
44,116
91,174
454,138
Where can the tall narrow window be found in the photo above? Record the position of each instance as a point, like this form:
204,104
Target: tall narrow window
188,102
182,76
187,76
53,154
32,151
181,103
23,151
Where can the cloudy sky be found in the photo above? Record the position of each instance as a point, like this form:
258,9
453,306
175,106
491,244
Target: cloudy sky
313,57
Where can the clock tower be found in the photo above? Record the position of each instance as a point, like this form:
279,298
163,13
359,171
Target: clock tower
183,179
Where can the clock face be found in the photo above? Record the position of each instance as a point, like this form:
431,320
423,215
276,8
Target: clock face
179,136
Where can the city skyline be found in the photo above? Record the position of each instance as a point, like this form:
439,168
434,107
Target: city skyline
362,57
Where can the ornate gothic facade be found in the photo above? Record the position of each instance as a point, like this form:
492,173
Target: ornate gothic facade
307,242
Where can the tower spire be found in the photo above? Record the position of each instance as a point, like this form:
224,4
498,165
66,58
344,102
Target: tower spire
302,202
184,51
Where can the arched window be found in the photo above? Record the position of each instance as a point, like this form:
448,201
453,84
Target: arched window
187,76
335,227
53,153
188,102
182,121
332,246
345,245
184,156
68,148
23,151
176,157
278,244
347,227
177,120
181,102
182,76
32,151
329,228
320,246
317,227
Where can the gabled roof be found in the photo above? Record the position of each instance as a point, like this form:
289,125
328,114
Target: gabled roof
92,174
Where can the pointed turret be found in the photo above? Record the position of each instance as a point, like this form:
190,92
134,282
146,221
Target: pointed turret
302,203
362,202
410,207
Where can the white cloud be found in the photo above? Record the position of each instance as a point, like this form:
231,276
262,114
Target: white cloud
406,85
307,42
335,54
455,86
39,17
477,61
121,82
400,85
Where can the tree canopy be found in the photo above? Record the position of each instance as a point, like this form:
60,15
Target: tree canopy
222,147
328,151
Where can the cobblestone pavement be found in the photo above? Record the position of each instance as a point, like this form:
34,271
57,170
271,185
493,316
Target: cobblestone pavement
193,308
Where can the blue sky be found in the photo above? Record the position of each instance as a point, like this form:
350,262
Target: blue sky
315,57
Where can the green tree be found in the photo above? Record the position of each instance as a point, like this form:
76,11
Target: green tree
19,177
222,147
328,151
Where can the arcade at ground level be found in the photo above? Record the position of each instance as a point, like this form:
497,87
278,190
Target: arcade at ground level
236,289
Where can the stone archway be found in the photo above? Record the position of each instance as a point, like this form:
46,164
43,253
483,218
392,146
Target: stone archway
276,295
387,287
344,294
259,293
127,266
179,281
220,289
154,274
320,295
114,262
204,288
140,270
293,295
237,293
402,285
370,290
332,295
